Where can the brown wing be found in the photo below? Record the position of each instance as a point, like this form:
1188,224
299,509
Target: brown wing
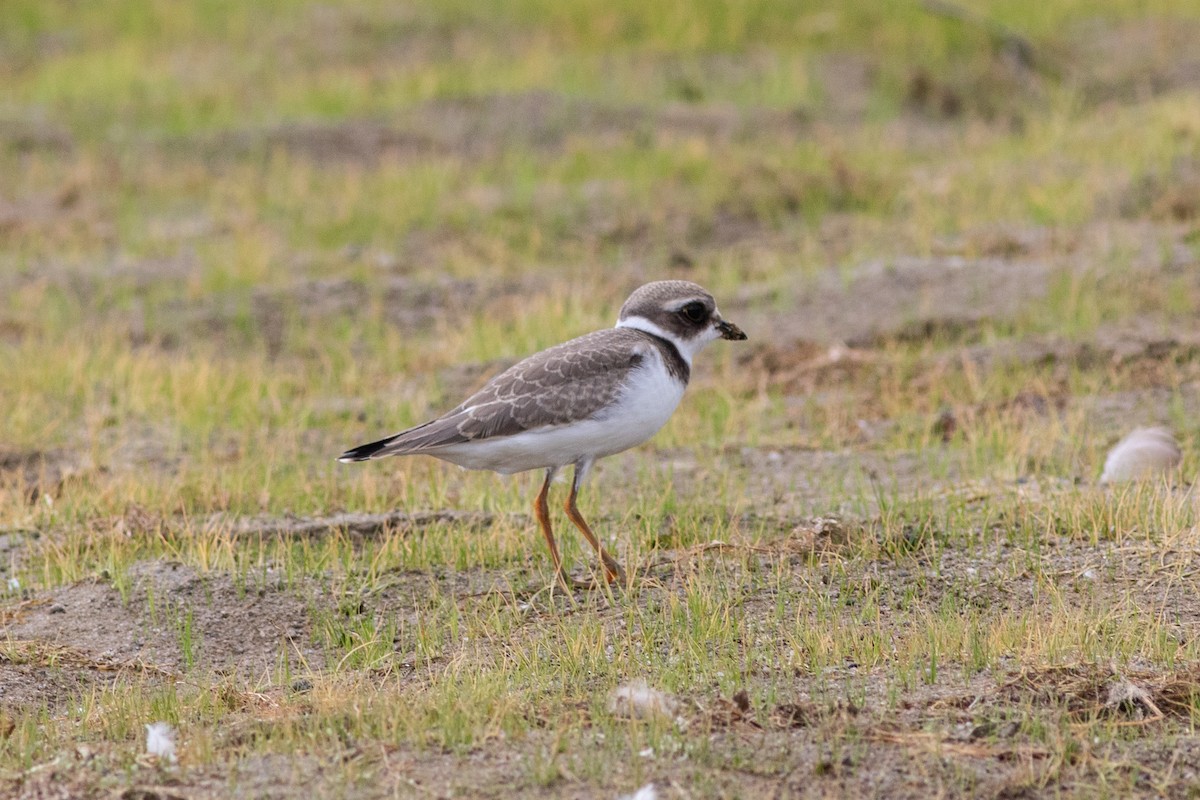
571,381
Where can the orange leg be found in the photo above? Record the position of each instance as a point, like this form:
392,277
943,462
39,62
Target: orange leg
612,570
542,511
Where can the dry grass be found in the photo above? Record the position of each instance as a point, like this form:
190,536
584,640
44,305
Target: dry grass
869,555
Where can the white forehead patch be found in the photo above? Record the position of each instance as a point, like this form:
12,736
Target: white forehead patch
676,305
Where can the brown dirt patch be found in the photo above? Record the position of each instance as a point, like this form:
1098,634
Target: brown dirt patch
1166,195
908,297
32,473
1136,58
26,136
33,677
235,629
480,127
357,525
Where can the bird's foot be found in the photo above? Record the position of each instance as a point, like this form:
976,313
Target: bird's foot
613,572
590,583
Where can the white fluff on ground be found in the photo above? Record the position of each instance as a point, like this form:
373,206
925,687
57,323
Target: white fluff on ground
647,792
637,700
1144,453
160,741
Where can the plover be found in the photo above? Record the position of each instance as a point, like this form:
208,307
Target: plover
576,402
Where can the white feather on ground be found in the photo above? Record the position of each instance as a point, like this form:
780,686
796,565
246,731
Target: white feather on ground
1144,453
160,741
647,792
637,700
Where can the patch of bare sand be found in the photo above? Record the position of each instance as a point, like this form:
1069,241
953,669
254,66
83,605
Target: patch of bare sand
795,763
1133,342
243,630
1134,59
355,524
990,273
32,136
917,295
263,317
1170,194
478,127
795,482
32,473
27,681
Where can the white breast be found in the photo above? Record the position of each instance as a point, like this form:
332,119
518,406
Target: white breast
649,400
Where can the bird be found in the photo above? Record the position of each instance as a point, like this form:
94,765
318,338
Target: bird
576,402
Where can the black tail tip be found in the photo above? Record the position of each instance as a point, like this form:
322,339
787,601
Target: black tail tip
362,452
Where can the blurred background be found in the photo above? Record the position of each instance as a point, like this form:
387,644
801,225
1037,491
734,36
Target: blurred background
869,548
238,237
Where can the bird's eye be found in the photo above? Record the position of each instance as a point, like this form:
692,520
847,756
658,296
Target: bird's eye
695,312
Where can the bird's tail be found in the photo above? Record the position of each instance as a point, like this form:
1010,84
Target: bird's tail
365,452
421,439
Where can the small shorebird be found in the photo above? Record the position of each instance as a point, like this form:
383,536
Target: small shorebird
576,402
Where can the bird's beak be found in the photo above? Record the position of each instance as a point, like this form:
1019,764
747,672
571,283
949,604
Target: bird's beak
730,331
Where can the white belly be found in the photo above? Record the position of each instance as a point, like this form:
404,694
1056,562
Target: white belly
640,411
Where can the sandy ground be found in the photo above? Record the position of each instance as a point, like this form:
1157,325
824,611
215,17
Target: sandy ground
965,734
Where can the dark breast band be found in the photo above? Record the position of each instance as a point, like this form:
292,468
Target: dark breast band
676,366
